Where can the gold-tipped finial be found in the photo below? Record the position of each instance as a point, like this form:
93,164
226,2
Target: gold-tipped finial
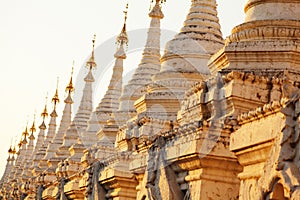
20,143
25,133
33,129
55,99
70,87
44,114
10,150
123,37
14,151
125,18
91,62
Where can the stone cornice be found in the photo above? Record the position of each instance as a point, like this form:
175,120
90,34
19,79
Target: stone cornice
252,3
265,29
260,112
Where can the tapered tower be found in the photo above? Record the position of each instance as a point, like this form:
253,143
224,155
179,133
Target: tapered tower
75,131
50,133
37,154
149,65
109,104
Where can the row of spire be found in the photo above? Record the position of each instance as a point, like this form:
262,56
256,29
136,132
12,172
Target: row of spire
54,147
121,40
150,55
129,118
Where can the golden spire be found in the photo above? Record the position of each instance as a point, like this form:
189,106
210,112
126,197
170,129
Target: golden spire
44,114
55,99
70,87
25,134
20,143
91,62
33,129
14,150
10,150
123,37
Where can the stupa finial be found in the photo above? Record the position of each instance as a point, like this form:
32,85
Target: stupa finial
70,87
33,129
123,37
14,151
25,134
44,114
10,150
55,99
91,62
20,143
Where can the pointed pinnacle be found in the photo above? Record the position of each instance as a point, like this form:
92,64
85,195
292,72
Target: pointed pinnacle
55,99
70,87
44,114
123,37
25,133
33,129
91,62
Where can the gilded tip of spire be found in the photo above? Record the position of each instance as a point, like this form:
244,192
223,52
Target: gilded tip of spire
20,144
14,151
94,39
125,13
33,129
55,98
125,18
91,62
25,133
10,150
44,114
70,87
123,37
